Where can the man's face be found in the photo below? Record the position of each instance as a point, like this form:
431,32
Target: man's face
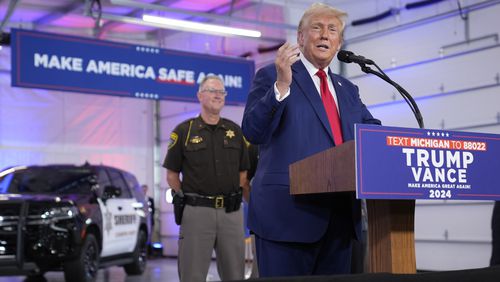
320,37
212,96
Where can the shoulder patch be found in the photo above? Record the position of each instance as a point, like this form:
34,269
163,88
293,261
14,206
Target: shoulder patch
173,140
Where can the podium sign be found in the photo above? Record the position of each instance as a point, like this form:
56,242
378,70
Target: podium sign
405,163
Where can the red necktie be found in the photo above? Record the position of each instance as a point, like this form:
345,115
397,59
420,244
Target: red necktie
330,108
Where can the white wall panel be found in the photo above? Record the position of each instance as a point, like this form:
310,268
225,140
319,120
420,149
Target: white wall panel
453,220
421,80
365,9
485,22
442,256
470,108
493,128
407,46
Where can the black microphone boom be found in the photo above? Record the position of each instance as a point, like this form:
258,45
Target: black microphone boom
350,57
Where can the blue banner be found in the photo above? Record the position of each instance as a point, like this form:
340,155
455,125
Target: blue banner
404,163
86,65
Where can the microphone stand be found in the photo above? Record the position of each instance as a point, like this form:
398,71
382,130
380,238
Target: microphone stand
407,97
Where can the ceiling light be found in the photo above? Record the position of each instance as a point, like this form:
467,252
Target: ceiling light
200,27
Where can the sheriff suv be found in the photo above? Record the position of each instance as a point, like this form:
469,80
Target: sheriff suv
71,218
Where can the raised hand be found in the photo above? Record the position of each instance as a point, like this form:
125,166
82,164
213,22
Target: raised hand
286,56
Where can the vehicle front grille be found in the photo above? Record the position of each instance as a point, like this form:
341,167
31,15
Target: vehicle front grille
11,216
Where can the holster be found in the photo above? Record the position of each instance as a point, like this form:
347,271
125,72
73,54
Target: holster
179,202
233,201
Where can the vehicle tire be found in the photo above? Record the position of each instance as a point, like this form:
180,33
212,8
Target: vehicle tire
84,268
138,266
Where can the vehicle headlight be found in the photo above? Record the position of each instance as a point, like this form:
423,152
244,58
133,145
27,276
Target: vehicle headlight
64,212
51,215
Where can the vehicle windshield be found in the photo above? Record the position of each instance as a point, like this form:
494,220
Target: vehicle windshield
47,180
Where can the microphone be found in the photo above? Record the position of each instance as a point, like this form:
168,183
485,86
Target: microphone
349,57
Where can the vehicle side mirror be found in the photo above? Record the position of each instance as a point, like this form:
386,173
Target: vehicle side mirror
111,192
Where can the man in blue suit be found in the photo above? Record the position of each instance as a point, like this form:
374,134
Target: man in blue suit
285,115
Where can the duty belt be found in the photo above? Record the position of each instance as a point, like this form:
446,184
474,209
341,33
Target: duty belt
218,202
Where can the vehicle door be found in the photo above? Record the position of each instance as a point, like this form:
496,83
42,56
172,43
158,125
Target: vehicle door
120,221
125,218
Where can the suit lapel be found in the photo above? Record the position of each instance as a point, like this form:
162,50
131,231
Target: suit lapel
343,103
306,85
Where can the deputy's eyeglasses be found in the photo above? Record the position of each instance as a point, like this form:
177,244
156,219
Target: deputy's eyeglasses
215,91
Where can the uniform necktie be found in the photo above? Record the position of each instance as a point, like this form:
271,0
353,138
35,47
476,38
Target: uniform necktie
330,108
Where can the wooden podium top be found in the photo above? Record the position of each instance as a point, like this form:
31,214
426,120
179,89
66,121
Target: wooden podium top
332,170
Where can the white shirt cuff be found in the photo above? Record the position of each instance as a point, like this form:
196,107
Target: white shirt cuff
277,93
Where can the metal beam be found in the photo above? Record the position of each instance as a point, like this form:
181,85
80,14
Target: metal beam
244,6
131,20
111,24
8,14
148,6
419,22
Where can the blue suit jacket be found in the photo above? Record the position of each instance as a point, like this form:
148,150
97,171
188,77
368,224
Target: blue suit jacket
287,132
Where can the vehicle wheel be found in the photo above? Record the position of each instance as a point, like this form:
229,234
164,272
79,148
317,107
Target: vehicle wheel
85,267
138,266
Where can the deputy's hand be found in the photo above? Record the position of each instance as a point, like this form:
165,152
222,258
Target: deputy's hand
286,56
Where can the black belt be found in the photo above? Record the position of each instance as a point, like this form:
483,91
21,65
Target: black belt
218,202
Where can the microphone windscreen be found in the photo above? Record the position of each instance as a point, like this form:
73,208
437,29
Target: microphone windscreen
344,55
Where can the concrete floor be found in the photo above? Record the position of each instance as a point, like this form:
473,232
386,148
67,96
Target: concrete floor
158,269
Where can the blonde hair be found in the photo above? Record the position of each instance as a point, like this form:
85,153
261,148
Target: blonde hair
320,7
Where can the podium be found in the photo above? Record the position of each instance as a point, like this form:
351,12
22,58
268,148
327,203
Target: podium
391,241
